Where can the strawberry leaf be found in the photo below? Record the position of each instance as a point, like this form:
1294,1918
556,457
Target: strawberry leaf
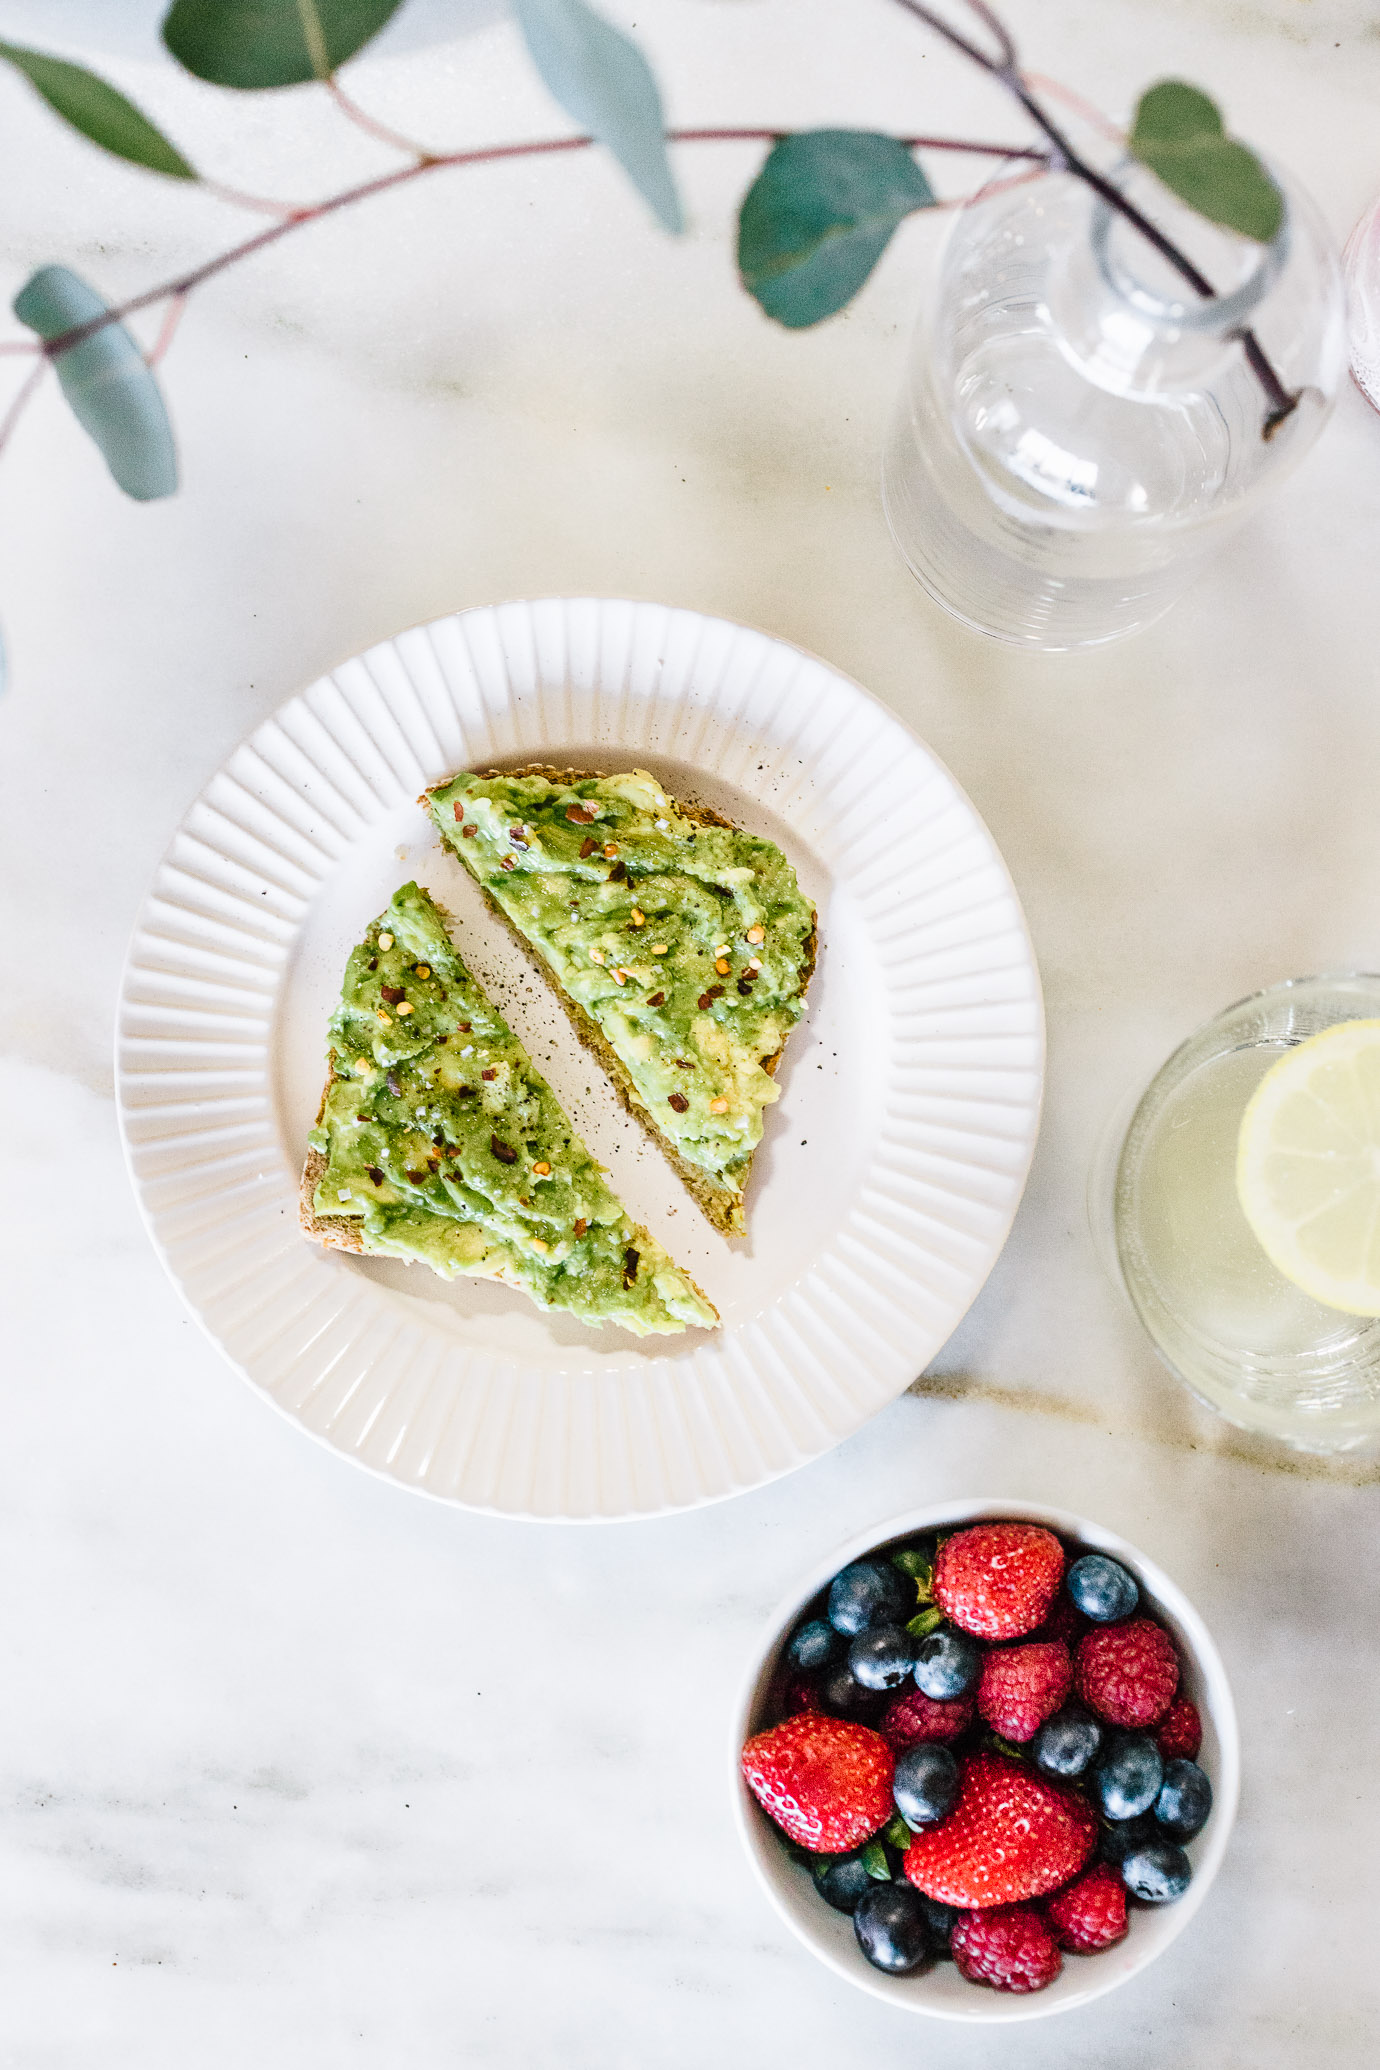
917,1564
98,112
1179,133
818,217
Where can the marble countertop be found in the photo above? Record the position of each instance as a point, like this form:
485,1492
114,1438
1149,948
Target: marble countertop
303,1771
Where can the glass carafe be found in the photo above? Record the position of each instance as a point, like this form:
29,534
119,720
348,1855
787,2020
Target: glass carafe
1078,430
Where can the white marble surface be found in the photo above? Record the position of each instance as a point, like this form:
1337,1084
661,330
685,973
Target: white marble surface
299,1769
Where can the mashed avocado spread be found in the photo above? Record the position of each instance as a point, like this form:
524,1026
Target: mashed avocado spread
688,944
446,1144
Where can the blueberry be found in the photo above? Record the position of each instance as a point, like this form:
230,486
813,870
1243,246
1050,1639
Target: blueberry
1157,1871
867,1593
891,1926
842,1881
941,1922
925,1784
813,1646
842,1693
1102,1589
947,1663
1115,1842
1129,1775
883,1657
1183,1804
1068,1743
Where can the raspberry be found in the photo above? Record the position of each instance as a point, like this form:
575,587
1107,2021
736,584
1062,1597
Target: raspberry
801,1695
1021,1686
1127,1673
1065,1621
1091,1913
913,1717
1179,1733
1009,1947
825,1781
998,1581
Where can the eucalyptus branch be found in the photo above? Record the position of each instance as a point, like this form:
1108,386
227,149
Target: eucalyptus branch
184,284
1005,69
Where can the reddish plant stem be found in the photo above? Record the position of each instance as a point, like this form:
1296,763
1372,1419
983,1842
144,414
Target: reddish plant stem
490,155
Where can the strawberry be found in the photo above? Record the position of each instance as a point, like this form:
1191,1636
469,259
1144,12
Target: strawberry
825,1781
1127,1673
1009,1947
1011,1835
913,1716
1091,1913
1179,1733
998,1581
1021,1686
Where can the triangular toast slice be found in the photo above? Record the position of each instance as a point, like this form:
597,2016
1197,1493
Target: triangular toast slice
680,946
438,1140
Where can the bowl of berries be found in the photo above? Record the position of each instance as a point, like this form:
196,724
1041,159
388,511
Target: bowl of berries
987,1764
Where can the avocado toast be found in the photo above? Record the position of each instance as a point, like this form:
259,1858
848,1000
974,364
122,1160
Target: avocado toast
680,946
437,1140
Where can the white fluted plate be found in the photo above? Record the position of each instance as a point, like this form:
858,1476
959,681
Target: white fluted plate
892,1164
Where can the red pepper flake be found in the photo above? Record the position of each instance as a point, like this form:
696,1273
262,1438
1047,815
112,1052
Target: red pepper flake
714,992
392,993
745,986
417,1178
586,849
468,832
374,1173
374,963
657,999
580,815
517,837
580,1225
465,1092
491,1073
459,810
631,1259
464,1027
507,863
678,1101
618,874
502,1151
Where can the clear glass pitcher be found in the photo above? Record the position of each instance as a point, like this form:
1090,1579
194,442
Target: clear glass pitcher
1078,430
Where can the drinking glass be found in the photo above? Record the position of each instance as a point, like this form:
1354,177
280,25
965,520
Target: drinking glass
1241,1336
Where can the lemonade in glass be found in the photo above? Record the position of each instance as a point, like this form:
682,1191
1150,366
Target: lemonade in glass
1246,1212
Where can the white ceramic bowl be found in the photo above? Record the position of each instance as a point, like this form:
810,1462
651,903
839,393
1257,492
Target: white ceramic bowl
939,1989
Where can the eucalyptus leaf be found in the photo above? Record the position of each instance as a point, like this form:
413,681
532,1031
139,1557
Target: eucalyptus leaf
818,217
1179,134
98,111
112,393
873,1859
259,43
604,83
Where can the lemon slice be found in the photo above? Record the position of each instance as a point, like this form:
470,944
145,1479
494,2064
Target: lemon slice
1308,1166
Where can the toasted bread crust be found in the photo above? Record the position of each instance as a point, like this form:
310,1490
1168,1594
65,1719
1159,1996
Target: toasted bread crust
723,1205
339,1232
